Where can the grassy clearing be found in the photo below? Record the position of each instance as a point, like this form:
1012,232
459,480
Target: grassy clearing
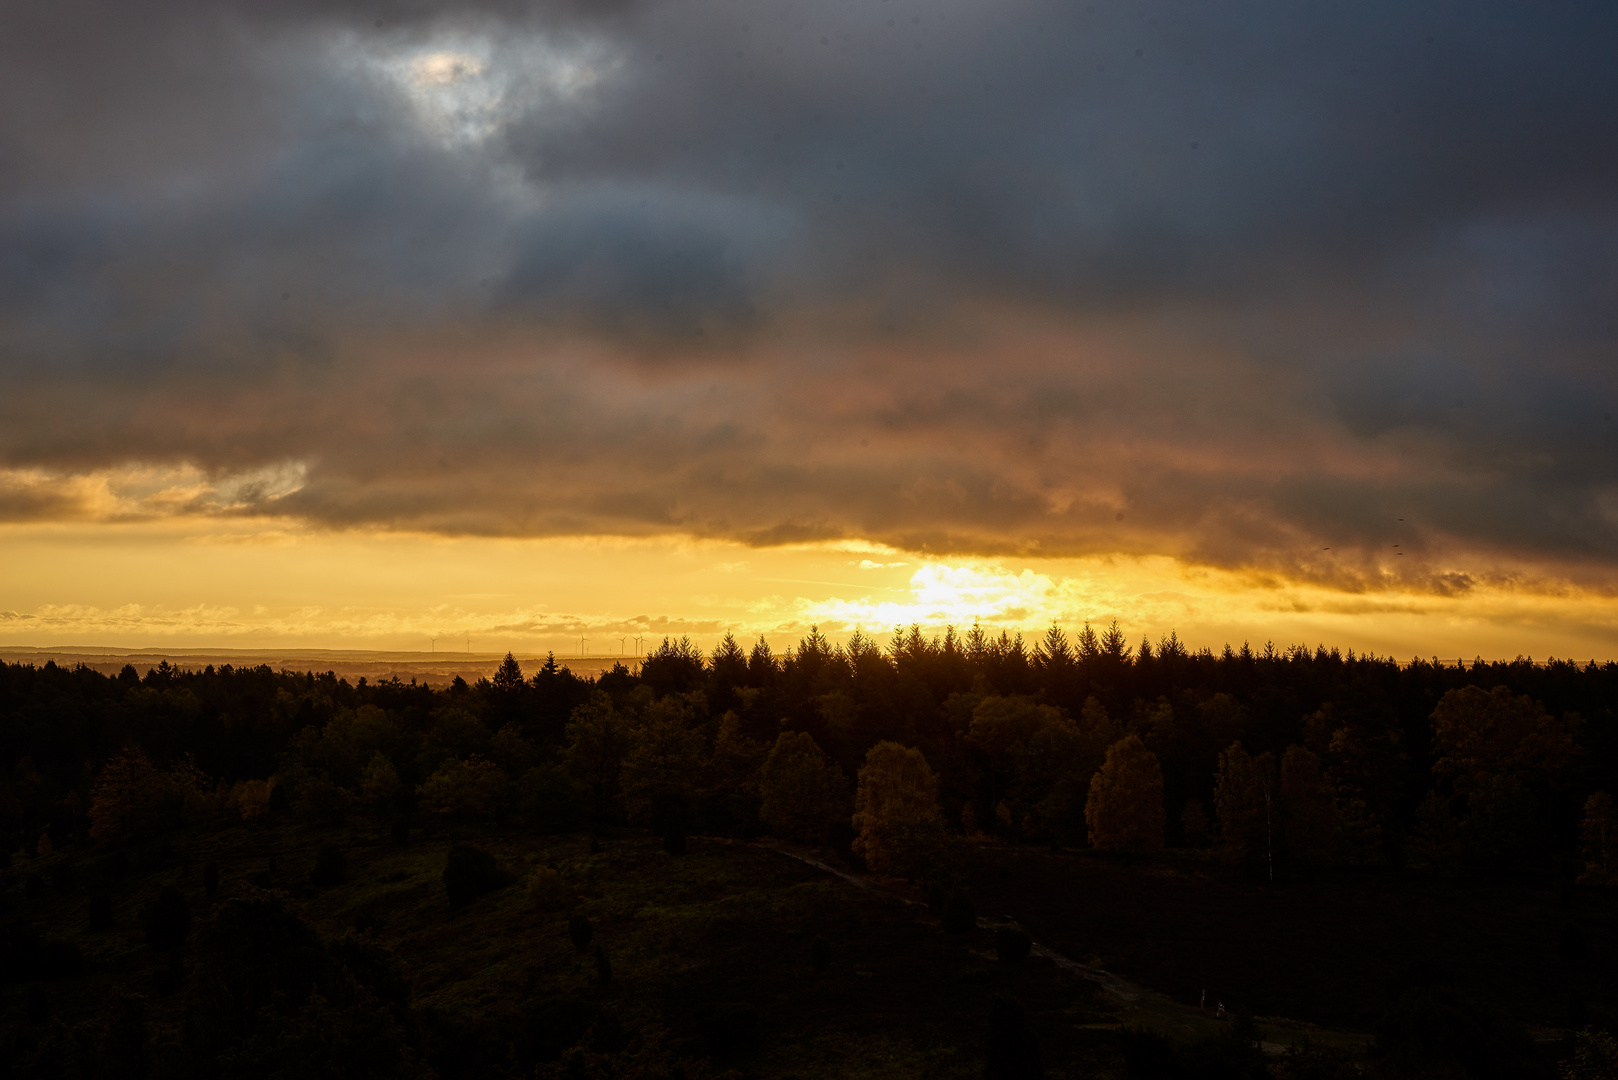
714,945
1333,952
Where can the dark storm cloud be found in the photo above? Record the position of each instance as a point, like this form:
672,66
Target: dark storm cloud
1237,282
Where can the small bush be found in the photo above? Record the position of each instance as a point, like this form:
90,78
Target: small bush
331,867
1012,944
545,888
210,878
470,873
252,798
960,917
167,920
580,930
603,967
1594,1054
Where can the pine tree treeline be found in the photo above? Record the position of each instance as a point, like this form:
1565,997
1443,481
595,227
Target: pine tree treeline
1353,758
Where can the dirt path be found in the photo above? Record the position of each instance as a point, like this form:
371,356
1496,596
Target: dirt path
1138,1006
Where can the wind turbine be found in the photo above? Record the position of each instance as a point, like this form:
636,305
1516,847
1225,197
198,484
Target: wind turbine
469,643
432,645
582,640
622,647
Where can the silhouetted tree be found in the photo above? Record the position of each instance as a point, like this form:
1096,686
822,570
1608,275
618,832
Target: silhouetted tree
1244,796
800,788
896,813
1124,810
674,667
1598,834
1308,812
598,737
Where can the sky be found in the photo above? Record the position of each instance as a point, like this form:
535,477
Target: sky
552,324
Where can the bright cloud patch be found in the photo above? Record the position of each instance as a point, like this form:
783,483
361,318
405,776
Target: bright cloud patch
955,596
445,68
136,491
467,89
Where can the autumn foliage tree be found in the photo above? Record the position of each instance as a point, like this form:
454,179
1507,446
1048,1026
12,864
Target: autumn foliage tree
802,790
126,798
1124,810
1482,734
475,787
1599,840
899,826
132,798
1503,753
1244,800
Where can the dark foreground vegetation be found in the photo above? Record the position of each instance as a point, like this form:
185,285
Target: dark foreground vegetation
256,873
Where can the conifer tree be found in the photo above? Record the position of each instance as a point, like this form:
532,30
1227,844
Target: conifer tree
728,667
762,667
508,679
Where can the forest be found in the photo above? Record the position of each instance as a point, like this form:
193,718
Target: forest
236,871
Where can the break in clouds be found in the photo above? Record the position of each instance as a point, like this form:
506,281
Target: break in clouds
1237,283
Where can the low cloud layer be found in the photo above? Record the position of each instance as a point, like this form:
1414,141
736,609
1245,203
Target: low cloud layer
1323,291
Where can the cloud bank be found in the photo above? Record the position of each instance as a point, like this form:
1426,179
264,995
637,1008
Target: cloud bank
1324,291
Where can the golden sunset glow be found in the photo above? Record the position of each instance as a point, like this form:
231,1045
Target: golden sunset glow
174,585
832,538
